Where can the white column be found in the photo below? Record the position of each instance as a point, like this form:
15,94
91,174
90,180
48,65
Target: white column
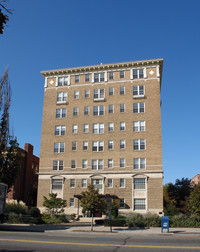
69,80
56,81
158,71
145,73
45,82
131,74
106,76
93,77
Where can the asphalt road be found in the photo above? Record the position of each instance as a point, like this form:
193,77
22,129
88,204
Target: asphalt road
76,241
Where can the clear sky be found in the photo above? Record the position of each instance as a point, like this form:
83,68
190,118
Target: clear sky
52,34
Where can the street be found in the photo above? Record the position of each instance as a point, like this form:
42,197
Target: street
88,241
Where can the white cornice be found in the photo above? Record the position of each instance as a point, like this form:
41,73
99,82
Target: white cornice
104,67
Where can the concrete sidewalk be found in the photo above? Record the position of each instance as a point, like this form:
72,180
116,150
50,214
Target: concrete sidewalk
86,228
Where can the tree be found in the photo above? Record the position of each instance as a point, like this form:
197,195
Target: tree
9,151
54,205
92,202
3,17
194,201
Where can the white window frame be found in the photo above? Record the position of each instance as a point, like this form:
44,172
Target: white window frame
75,111
109,126
122,184
110,109
58,165
120,203
98,185
139,163
87,93
138,73
97,164
122,126
63,81
99,94
111,91
139,184
85,145
110,183
60,147
58,186
138,108
122,163
84,183
98,110
85,128
122,144
139,143
76,94
122,110
84,163
122,90
99,77
139,126
60,130
74,146
110,145
138,91
61,97
111,75
60,114
77,78
98,128
98,146
72,202
121,74
139,204
110,163
86,110
75,128
73,163
72,183
87,77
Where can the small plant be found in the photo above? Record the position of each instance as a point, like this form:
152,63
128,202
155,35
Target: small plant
72,216
135,220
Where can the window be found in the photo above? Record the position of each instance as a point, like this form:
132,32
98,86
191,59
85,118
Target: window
110,126
110,183
110,109
111,91
138,73
138,107
98,110
60,130
121,203
139,204
122,144
122,90
110,163
56,184
84,164
139,183
63,81
74,128
138,126
139,163
72,183
98,128
75,111
71,202
99,93
61,97
138,90
76,94
87,78
84,183
111,75
59,147
86,110
110,145
87,93
122,163
122,108
97,145
57,165
98,77
74,146
85,145
122,183
121,74
122,126
139,144
86,128
97,164
61,113
76,78
73,164
98,184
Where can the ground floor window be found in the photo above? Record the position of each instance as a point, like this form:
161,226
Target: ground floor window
121,203
139,204
71,202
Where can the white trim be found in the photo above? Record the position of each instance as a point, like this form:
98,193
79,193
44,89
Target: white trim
45,82
106,77
158,71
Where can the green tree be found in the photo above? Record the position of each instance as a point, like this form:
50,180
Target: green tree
92,201
3,17
194,201
9,151
54,205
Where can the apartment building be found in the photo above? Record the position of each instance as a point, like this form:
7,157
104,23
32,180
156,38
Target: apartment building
102,125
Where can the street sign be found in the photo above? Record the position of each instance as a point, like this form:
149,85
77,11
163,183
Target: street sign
165,223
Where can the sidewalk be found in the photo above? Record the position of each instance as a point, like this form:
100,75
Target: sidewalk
86,227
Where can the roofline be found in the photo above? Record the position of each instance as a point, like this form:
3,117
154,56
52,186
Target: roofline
103,67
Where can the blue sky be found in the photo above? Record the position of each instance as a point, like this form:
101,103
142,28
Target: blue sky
51,34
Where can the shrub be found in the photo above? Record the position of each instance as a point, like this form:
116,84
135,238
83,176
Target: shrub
34,212
135,220
62,218
72,216
181,220
114,209
14,218
152,220
115,222
15,208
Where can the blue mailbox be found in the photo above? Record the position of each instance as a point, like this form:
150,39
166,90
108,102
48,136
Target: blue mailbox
165,223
